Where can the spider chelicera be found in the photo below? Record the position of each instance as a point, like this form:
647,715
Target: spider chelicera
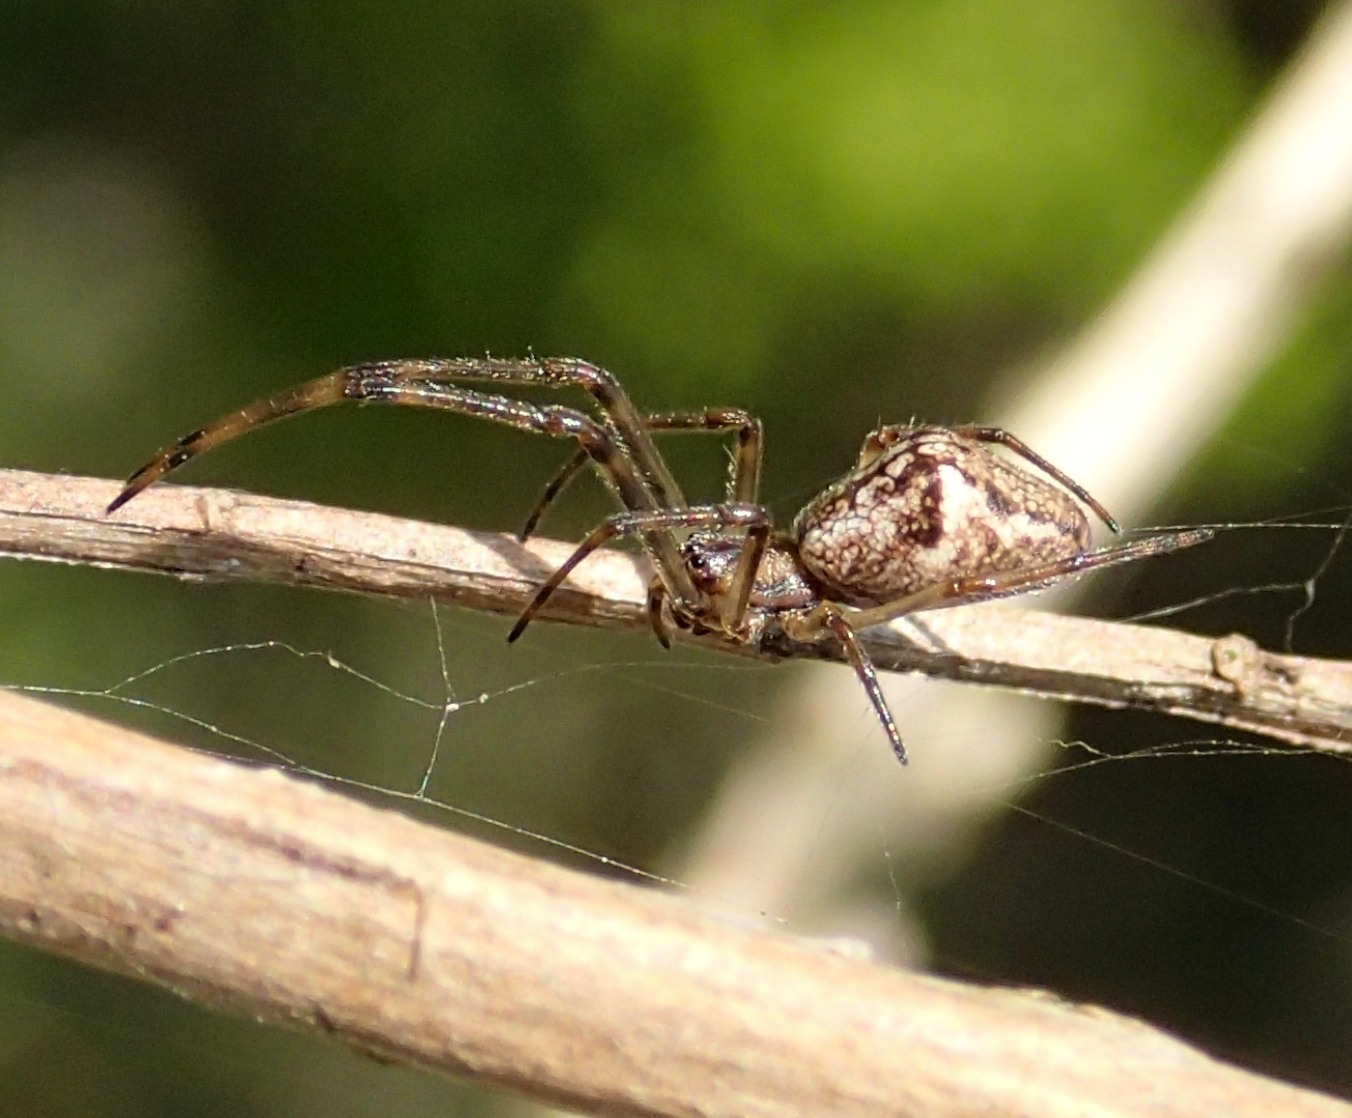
928,517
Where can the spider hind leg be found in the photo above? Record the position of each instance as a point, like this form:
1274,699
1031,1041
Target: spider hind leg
1021,580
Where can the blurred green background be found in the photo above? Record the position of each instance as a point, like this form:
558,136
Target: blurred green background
830,214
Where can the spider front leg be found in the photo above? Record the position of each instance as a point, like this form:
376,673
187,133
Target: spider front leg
638,478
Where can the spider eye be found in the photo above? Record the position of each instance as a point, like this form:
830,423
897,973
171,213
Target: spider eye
697,562
710,561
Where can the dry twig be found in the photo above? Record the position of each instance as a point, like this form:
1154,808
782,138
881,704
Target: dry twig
220,534
255,891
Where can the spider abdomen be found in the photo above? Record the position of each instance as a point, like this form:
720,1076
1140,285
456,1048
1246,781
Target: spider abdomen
928,506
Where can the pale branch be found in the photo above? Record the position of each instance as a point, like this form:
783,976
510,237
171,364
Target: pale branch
258,892
213,534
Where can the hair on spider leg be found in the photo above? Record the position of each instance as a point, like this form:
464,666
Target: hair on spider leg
929,517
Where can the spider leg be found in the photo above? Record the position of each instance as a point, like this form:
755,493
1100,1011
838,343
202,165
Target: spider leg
843,621
1000,584
617,468
1001,437
347,384
753,518
743,478
559,372
557,484
829,616
392,384
318,393
659,617
635,485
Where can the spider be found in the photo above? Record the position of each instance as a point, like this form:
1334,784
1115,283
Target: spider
929,516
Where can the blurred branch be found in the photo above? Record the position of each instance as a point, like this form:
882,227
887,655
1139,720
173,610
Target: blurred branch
1135,394
219,534
257,892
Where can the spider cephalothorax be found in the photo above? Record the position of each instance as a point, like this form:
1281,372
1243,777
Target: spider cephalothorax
929,517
